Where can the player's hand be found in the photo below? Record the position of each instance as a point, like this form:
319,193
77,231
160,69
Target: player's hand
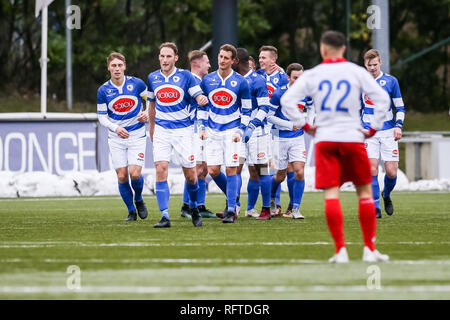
142,116
248,132
367,133
311,130
274,68
203,134
236,137
122,132
295,128
201,99
397,134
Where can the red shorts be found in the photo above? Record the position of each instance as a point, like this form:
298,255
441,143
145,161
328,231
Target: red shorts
339,162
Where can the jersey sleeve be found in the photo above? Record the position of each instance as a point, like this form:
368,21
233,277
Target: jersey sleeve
274,104
150,92
262,98
289,101
102,106
141,89
202,111
246,103
193,88
397,99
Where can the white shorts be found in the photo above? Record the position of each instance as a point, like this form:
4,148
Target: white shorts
382,145
125,152
287,150
180,141
200,149
221,150
256,150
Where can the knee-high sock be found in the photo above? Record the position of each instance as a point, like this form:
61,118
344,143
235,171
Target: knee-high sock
193,194
162,195
389,184
138,186
253,192
239,185
232,184
274,187
299,187
201,195
127,195
335,222
278,195
376,191
290,183
221,181
266,189
185,194
368,221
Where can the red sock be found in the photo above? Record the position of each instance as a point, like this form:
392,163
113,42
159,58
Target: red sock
335,221
368,221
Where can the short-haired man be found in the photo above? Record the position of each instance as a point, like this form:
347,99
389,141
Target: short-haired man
336,86
289,144
224,120
171,128
275,78
120,109
200,65
255,147
385,142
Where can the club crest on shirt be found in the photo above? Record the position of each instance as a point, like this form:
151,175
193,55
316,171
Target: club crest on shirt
176,79
233,83
130,87
382,83
275,80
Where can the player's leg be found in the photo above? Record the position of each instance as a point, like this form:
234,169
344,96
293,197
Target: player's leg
298,188
202,171
253,192
136,159
239,184
266,189
231,157
162,193
290,184
390,156
280,164
190,174
373,148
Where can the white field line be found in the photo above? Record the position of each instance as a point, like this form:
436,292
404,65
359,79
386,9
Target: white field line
211,195
219,289
48,244
209,261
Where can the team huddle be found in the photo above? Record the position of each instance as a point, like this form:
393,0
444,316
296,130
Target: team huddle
214,123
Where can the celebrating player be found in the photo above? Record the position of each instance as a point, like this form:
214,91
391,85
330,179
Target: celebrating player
336,87
289,145
199,68
256,145
119,109
385,141
224,118
171,128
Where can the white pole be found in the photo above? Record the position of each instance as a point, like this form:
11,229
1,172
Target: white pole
44,60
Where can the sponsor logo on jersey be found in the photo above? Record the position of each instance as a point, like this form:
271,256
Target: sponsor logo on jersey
222,98
271,90
124,104
141,155
169,95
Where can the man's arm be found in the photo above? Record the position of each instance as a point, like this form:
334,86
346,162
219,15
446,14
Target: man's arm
289,102
399,110
151,117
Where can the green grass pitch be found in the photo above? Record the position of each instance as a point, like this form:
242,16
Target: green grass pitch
250,259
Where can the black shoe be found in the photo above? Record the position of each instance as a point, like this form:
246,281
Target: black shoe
205,213
185,211
141,209
228,217
378,213
132,216
388,206
164,223
196,217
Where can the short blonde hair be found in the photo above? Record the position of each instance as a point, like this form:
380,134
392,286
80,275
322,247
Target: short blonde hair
170,45
115,55
371,54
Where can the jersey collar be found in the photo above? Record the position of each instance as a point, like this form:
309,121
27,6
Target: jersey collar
334,60
224,80
381,74
120,88
248,73
170,75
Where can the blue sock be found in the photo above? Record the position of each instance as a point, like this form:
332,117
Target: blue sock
221,181
232,184
376,191
278,196
253,192
201,195
274,188
290,183
138,186
193,194
162,195
239,186
389,184
185,193
266,187
127,195
299,187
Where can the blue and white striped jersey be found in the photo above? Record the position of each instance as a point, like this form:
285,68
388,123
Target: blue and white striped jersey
260,97
274,80
122,105
230,103
172,95
390,84
275,111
